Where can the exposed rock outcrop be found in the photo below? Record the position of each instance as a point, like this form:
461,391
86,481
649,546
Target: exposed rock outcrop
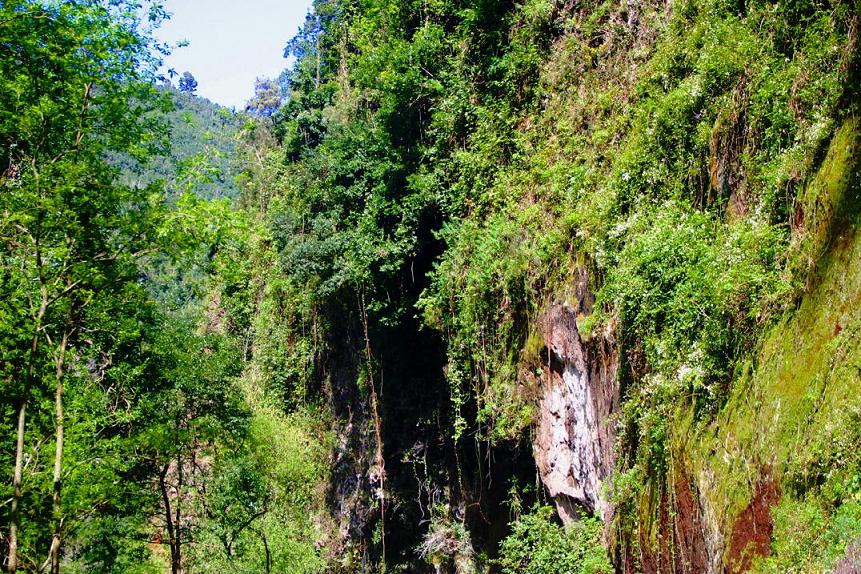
851,561
751,532
678,542
578,401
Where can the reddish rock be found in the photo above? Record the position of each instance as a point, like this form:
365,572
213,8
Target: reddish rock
752,529
681,545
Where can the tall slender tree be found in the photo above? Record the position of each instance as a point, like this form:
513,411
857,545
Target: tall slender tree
74,86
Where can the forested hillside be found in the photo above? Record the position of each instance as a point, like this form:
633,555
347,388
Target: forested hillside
502,286
204,156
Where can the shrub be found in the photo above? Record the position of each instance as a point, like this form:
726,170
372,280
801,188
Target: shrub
538,545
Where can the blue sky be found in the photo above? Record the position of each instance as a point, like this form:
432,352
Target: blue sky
231,42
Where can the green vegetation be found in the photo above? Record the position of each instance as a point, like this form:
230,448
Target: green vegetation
312,337
538,546
131,441
205,155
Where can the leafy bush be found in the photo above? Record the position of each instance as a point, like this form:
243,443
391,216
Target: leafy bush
810,538
538,545
690,288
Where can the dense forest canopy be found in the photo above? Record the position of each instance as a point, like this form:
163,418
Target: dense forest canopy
533,286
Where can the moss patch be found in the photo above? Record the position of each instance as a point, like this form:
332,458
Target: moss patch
795,409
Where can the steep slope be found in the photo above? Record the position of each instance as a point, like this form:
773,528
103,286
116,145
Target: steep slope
774,471
600,255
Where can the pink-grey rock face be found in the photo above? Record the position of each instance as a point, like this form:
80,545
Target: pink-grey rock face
578,403
851,561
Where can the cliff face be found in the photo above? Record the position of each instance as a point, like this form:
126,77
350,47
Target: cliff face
742,491
575,431
611,242
731,493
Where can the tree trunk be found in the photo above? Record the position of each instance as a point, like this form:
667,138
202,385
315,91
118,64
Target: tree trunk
177,520
268,554
18,473
12,562
58,456
172,534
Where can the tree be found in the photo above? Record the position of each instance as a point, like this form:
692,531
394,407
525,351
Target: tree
267,98
188,84
193,407
74,85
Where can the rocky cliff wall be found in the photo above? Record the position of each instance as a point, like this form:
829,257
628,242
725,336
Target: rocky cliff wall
577,406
